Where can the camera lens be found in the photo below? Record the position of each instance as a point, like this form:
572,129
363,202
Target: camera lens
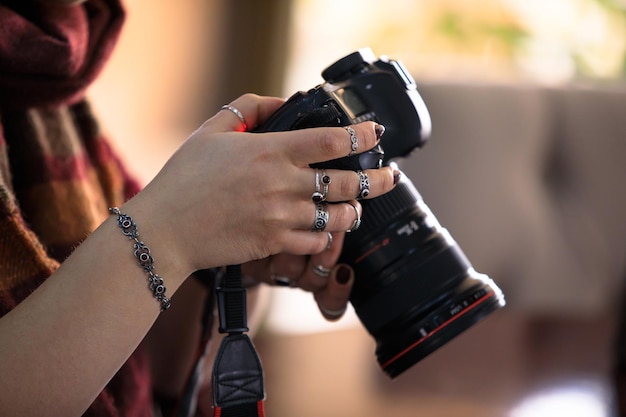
415,290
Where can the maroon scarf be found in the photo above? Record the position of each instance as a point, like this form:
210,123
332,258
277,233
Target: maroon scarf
49,54
58,174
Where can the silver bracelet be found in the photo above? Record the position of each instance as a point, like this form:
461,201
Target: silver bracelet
142,253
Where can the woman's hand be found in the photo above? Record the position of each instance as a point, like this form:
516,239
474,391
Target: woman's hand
229,197
225,197
318,273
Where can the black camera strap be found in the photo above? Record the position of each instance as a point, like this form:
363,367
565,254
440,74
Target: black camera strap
238,389
237,376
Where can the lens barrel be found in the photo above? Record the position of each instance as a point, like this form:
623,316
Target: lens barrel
415,289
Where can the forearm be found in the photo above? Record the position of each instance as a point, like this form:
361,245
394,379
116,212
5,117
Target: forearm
65,341
173,341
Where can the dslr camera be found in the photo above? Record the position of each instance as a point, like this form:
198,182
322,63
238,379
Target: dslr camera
415,290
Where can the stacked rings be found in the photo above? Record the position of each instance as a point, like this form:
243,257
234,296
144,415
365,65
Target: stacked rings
321,217
364,185
321,191
317,196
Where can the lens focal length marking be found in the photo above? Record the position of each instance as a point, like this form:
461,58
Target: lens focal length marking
471,302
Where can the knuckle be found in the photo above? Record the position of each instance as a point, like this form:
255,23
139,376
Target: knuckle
273,216
250,97
329,142
367,135
345,216
349,187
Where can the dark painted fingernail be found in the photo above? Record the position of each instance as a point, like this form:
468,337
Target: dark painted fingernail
343,274
396,176
380,130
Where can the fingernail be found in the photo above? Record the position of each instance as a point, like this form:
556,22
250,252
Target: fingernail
343,274
380,130
396,176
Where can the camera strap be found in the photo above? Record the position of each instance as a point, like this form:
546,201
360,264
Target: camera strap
238,389
237,376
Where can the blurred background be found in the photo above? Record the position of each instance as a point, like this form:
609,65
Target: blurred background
524,167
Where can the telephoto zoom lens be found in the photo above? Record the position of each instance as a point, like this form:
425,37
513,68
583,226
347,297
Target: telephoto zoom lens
415,289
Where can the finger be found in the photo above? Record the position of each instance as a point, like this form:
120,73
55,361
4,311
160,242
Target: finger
286,269
326,217
318,270
276,269
253,109
297,270
304,242
343,185
309,146
333,299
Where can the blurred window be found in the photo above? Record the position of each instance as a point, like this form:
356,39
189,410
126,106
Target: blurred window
553,41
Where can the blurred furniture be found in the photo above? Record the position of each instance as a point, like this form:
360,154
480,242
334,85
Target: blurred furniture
530,181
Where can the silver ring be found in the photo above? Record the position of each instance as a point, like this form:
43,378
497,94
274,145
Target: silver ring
321,217
364,184
357,222
354,141
281,281
322,271
237,113
325,183
330,240
320,191
333,313
317,196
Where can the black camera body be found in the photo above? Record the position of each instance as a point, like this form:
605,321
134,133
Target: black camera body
414,290
358,88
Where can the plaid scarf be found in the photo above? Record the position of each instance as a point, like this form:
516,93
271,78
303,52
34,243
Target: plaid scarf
58,174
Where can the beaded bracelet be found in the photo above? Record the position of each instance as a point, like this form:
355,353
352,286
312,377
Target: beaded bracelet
142,253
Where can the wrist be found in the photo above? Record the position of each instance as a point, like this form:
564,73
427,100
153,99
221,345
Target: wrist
162,254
